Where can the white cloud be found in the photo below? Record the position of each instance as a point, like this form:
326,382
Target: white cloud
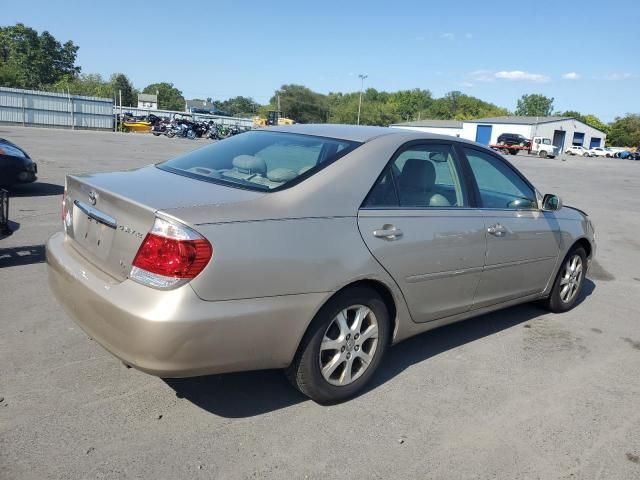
520,75
619,76
448,36
482,76
570,76
466,84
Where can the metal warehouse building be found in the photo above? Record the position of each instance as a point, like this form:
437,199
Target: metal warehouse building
563,131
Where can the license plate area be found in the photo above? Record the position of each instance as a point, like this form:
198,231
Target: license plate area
93,230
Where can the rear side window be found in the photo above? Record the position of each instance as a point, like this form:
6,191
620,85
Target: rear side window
421,176
260,160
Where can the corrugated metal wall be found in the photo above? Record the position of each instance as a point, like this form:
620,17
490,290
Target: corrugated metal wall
33,108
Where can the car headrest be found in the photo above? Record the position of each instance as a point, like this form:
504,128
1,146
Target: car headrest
418,173
250,164
281,175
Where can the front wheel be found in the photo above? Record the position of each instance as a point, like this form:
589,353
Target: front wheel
343,346
568,283
543,154
171,133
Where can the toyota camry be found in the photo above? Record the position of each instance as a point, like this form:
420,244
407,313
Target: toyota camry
310,248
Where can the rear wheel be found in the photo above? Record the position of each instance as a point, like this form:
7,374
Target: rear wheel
568,283
343,346
513,151
543,154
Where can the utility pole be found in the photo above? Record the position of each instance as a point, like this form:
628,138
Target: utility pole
279,104
362,77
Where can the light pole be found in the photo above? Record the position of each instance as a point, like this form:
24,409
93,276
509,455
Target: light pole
362,77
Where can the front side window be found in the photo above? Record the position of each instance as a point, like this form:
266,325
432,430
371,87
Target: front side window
260,160
421,176
499,186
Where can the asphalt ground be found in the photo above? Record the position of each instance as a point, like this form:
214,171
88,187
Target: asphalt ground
520,393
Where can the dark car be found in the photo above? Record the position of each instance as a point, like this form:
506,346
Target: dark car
513,139
15,165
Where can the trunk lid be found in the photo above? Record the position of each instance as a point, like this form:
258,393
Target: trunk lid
109,214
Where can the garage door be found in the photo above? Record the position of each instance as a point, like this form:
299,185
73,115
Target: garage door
595,142
578,139
483,134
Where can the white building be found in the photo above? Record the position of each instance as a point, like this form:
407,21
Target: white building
148,101
563,131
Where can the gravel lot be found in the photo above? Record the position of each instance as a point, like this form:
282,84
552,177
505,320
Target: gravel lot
515,394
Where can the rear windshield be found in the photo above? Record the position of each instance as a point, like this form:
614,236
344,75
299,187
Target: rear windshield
260,160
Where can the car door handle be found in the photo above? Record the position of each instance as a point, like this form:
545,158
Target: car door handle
497,230
388,232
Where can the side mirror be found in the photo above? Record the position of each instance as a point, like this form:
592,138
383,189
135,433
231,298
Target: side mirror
551,203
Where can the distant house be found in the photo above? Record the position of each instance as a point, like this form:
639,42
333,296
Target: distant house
203,106
148,101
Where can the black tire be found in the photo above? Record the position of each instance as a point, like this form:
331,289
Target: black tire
554,302
305,372
513,151
156,134
585,154
171,133
543,154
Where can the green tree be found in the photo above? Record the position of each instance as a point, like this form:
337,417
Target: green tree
169,97
32,60
120,83
589,119
92,85
625,131
301,104
238,106
595,122
534,105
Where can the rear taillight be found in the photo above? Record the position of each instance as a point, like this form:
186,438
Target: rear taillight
170,255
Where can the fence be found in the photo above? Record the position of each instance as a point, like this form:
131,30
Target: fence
47,109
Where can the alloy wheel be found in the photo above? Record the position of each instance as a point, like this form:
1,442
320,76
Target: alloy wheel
571,278
348,345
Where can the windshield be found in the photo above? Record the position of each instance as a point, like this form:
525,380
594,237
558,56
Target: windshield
260,160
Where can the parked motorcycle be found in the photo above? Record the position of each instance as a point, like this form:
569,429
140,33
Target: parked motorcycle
181,128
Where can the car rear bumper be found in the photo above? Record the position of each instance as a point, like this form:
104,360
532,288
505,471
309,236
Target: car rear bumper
175,333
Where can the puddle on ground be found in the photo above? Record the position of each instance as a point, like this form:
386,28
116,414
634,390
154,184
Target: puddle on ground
597,272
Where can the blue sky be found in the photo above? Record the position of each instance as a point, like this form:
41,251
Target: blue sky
585,54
